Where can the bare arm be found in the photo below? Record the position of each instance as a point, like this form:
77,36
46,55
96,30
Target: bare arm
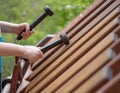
8,49
30,52
7,27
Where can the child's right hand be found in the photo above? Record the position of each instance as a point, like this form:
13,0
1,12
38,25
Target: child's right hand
27,32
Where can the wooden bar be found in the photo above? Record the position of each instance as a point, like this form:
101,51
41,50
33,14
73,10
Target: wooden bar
76,38
75,47
100,78
112,86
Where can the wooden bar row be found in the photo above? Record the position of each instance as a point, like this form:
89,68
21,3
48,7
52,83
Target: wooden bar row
102,76
89,64
68,53
64,55
81,33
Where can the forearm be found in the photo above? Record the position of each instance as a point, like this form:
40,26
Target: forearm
32,53
7,49
7,27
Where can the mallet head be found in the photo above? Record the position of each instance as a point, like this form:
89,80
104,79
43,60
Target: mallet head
64,38
48,11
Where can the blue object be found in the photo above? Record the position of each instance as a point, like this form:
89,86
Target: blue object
1,40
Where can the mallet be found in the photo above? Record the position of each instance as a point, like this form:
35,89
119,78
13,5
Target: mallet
63,39
47,12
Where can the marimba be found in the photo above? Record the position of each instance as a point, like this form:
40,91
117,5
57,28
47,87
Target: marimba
89,64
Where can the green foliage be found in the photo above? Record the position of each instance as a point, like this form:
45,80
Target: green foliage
65,11
18,11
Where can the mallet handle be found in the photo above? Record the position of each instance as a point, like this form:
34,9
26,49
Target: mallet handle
51,45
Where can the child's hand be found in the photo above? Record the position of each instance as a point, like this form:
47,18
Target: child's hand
27,32
32,53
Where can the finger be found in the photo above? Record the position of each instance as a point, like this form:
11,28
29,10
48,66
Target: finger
41,53
25,36
27,27
30,32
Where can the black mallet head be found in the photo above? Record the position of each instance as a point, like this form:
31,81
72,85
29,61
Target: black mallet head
48,11
64,38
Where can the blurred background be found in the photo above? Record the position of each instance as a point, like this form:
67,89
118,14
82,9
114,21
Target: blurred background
19,11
